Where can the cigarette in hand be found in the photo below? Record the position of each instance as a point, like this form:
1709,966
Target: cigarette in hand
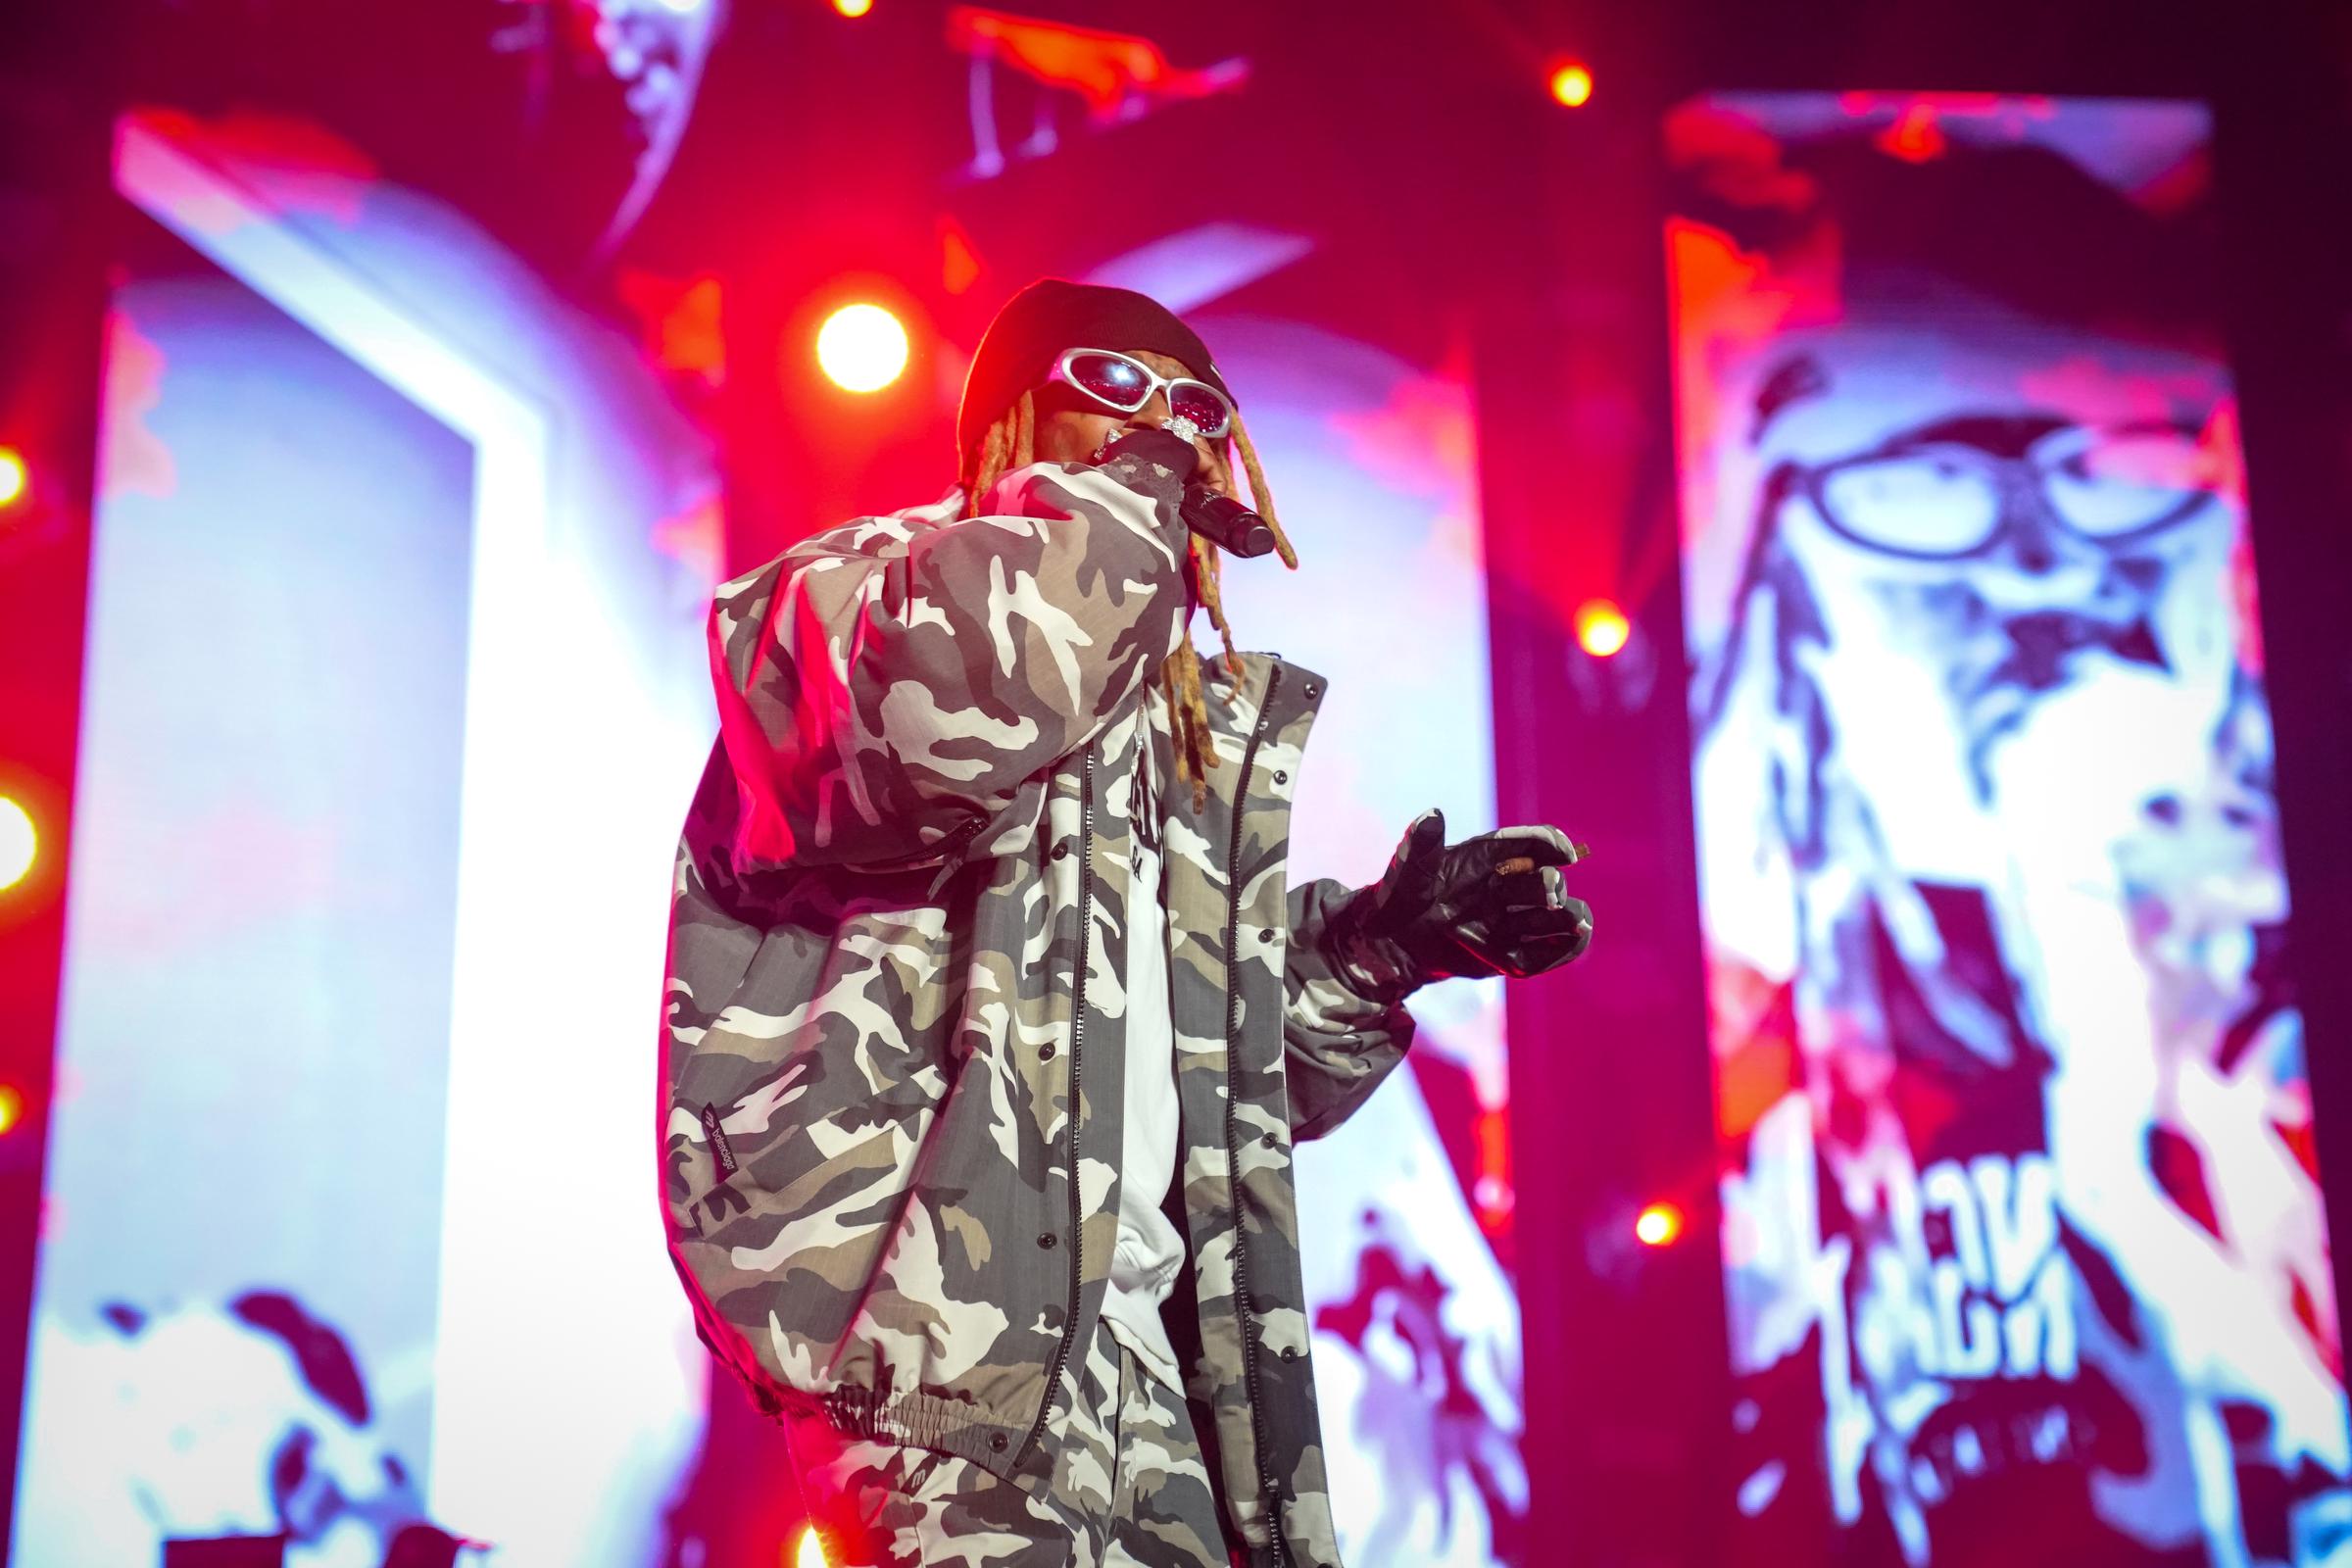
1524,862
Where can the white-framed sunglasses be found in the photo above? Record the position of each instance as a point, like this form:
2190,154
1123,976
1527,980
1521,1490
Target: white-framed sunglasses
1124,384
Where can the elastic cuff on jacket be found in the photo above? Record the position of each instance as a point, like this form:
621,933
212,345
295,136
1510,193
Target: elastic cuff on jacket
926,1421
1375,969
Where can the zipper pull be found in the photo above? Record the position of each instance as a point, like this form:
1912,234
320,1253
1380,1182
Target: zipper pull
953,863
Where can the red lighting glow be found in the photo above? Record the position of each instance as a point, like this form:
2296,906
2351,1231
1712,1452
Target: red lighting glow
1657,1225
1490,1193
20,843
1108,70
1914,137
15,477
861,347
1601,627
1571,86
959,263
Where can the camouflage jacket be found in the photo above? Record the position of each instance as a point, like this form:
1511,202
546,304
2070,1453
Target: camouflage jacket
894,1042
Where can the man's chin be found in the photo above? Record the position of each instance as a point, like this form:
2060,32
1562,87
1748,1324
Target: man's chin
1999,708
2001,697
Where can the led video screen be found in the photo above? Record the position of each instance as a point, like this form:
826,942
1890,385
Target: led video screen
2022,1239
356,464
1406,1237
349,467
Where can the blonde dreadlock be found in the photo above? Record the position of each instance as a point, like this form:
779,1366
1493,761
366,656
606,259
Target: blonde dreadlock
1011,443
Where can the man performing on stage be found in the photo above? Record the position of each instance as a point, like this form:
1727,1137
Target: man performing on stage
990,1024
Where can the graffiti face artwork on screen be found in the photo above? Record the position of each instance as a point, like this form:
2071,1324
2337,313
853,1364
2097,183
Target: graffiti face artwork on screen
2023,1228
260,1308
197,1422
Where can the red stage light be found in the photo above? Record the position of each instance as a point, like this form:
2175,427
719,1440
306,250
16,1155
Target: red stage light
853,8
861,347
1571,86
12,1110
1601,628
15,477
20,843
1657,1225
811,1553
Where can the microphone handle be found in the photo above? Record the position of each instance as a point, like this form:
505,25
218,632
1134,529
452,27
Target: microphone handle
1225,522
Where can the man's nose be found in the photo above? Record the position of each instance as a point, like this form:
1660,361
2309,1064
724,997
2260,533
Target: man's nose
2036,563
2036,540
2030,542
1154,413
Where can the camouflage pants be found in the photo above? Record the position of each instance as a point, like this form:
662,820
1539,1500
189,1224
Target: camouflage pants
1130,1489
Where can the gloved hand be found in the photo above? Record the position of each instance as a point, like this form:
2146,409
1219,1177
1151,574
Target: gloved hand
1163,454
1494,905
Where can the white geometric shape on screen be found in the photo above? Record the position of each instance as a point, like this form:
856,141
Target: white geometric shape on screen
1192,267
494,1023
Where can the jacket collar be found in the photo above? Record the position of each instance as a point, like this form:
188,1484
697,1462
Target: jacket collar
1237,707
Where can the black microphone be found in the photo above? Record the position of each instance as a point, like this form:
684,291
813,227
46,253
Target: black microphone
1219,519
1225,522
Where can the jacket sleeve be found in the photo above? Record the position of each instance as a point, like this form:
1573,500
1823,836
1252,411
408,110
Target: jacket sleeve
1337,1043
885,688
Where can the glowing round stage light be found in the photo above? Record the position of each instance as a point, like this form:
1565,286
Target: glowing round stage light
15,477
1601,627
1571,86
12,1110
861,347
811,1553
1657,1225
853,8
20,843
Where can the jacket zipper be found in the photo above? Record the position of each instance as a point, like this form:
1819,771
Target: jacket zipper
1267,1489
952,862
1085,926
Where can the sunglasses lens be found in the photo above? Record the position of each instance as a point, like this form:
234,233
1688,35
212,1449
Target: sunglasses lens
1122,383
1199,402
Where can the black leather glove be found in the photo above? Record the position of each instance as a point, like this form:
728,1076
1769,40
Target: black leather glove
1443,912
